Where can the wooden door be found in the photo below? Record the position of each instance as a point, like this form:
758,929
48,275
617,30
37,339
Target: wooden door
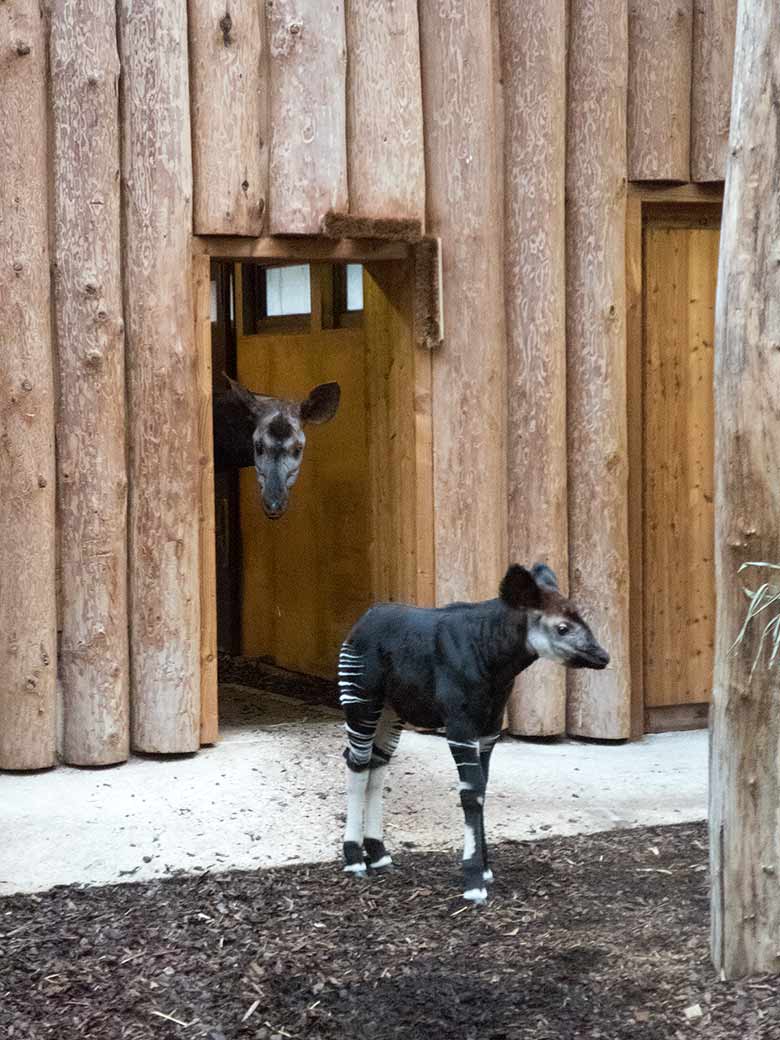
678,588
307,576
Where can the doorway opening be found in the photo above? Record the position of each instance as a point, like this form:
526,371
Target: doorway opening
358,527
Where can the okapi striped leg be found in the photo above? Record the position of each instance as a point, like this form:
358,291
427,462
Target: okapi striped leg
486,745
388,734
362,713
472,797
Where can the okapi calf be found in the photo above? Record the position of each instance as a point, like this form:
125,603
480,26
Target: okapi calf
267,433
452,667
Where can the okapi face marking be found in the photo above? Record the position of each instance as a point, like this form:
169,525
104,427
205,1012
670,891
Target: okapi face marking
555,629
278,438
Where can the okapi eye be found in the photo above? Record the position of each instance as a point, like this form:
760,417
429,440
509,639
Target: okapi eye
258,449
562,628
297,452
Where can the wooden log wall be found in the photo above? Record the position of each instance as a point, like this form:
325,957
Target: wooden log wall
162,378
416,132
469,371
533,46
384,111
28,636
744,778
308,54
228,60
714,26
596,335
659,89
92,477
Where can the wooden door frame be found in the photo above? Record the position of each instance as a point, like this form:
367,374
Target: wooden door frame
644,203
291,250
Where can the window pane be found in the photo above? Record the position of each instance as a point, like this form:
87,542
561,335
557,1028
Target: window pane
213,301
288,290
354,287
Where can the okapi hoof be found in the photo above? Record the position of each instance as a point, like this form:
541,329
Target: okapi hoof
476,896
378,859
354,861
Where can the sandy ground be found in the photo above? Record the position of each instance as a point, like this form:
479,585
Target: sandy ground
271,793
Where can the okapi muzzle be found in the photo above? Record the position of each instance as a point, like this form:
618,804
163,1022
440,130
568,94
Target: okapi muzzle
278,438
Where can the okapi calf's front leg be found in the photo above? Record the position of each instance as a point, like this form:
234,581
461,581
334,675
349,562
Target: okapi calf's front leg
472,798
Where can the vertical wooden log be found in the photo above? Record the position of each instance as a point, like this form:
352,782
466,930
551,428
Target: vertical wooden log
308,56
384,110
229,77
714,25
598,704
162,378
659,89
744,765
92,478
28,636
469,370
209,708
533,43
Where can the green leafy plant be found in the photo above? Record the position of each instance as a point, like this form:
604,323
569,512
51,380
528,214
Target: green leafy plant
761,601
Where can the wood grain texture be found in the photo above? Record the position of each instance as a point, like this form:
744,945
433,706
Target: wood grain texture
209,694
307,576
679,579
384,110
398,391
469,370
229,96
598,702
714,26
533,38
28,636
162,378
634,355
92,473
659,89
308,56
745,736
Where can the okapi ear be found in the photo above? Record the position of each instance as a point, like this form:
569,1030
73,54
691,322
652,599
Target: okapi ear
246,397
545,577
321,404
519,590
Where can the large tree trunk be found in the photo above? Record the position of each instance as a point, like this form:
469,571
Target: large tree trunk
596,334
659,90
92,504
384,110
28,635
308,55
714,25
533,42
469,371
229,116
744,773
162,378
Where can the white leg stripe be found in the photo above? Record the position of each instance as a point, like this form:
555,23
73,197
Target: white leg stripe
469,842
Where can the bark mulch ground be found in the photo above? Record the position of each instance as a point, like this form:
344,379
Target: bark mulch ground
602,936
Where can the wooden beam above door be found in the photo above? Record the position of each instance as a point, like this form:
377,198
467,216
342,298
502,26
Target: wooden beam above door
300,249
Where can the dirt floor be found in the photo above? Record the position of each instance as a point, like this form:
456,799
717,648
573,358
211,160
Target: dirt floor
259,674
601,936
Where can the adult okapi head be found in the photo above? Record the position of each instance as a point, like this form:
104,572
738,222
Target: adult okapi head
556,630
277,436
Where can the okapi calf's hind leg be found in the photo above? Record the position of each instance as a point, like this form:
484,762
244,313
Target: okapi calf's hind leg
367,756
388,733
